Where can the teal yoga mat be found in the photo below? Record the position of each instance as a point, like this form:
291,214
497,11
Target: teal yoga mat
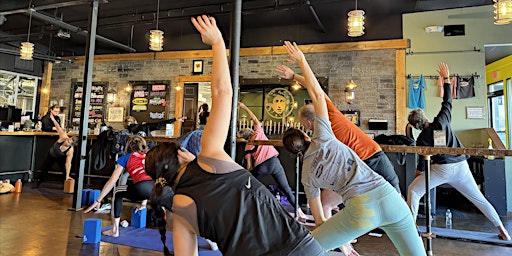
150,239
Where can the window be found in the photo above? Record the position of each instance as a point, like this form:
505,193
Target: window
496,104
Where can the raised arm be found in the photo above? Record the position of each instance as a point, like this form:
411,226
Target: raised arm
314,90
62,134
445,114
216,129
253,117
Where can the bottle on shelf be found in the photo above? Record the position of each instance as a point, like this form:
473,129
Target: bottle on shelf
278,197
490,157
448,219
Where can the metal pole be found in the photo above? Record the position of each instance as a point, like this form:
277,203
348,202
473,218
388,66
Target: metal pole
428,225
86,98
234,56
297,171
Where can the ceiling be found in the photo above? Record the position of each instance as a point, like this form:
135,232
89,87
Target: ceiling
123,25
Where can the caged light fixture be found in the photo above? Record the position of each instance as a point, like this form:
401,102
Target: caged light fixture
350,93
27,48
156,37
502,12
356,22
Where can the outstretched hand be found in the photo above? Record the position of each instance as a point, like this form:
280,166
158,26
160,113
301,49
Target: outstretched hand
207,26
295,53
443,70
95,206
285,72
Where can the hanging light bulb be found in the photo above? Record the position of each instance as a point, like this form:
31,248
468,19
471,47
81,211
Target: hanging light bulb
356,22
27,48
156,37
502,12
350,94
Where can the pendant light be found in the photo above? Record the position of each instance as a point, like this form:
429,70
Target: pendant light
27,48
502,12
356,22
156,37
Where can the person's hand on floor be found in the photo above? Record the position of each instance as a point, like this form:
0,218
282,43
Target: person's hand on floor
94,206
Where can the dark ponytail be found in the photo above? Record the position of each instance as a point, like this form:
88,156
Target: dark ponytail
162,165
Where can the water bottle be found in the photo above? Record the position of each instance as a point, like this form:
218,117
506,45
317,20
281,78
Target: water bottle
124,223
448,219
17,186
278,197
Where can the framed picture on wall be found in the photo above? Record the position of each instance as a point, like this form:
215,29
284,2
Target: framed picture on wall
353,115
197,67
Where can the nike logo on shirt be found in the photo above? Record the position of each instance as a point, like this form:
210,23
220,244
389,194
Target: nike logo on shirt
248,185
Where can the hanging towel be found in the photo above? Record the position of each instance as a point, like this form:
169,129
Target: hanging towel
416,93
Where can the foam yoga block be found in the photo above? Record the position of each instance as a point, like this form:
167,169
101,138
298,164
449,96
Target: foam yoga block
93,195
139,218
92,231
85,195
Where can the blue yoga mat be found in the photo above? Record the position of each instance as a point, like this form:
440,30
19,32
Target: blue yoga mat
150,239
467,235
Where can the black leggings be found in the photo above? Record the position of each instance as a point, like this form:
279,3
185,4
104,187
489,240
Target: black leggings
47,165
273,167
136,192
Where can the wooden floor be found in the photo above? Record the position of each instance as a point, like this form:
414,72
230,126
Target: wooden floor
38,222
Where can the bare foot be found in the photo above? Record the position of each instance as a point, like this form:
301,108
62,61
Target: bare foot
111,233
503,235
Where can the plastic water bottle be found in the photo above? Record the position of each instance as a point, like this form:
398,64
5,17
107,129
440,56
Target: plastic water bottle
278,197
448,219
124,223
17,186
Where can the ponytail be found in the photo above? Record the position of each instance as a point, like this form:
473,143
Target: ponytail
159,211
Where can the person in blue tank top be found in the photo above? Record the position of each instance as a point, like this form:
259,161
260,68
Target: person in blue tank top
214,196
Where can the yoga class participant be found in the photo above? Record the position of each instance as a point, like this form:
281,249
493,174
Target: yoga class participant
265,157
446,168
140,189
370,201
215,197
61,153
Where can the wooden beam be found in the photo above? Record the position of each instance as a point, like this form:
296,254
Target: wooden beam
255,51
400,95
46,81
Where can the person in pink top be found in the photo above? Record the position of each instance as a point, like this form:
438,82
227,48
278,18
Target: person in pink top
262,160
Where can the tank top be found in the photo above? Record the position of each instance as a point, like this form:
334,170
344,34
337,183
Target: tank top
56,152
239,213
416,97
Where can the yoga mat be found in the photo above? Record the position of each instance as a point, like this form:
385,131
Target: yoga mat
150,239
474,236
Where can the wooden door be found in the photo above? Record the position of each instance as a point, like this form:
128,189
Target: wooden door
190,91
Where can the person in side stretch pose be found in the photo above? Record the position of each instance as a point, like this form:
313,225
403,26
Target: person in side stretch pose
370,201
446,168
215,197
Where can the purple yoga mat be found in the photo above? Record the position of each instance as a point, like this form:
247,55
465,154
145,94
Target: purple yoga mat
150,239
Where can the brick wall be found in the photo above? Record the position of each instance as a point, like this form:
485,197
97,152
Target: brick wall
373,71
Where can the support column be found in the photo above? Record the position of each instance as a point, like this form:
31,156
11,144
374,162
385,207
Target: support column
86,97
234,56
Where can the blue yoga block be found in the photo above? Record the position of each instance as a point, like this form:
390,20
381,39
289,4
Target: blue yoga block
85,195
92,231
93,195
139,218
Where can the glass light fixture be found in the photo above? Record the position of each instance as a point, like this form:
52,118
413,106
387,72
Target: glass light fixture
111,96
350,93
27,48
502,12
156,37
356,22
296,86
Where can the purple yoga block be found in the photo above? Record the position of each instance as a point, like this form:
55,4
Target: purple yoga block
139,218
92,231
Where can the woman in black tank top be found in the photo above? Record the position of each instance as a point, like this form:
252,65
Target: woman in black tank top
215,197
61,153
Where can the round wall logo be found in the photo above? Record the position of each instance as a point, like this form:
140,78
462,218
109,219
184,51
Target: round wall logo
279,103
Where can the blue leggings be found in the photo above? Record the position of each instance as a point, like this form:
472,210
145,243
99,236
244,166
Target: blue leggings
382,207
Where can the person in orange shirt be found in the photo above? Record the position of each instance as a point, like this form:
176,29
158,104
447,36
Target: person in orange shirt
349,134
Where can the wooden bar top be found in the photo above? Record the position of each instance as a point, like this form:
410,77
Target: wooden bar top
421,150
89,136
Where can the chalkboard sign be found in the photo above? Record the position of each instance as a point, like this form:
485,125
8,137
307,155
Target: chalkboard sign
149,101
96,106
